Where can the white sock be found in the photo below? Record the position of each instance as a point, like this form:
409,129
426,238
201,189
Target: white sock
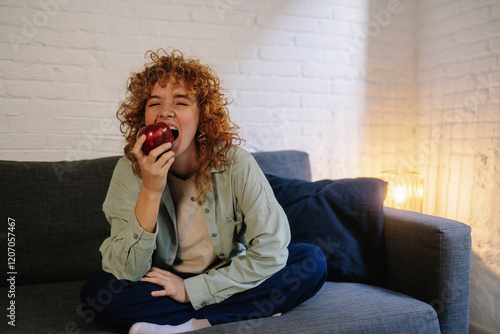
147,328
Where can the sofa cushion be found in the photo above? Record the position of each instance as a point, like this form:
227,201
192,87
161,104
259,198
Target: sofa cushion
345,308
59,223
52,308
342,217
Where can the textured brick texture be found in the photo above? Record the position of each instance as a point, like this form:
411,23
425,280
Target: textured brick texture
362,86
458,122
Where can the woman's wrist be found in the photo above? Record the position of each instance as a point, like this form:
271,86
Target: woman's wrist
150,194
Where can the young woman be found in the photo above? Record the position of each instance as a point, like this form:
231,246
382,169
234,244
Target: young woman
197,236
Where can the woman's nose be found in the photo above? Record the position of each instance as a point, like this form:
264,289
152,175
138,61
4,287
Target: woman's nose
166,112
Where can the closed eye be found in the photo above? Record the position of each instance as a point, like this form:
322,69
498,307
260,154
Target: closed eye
153,104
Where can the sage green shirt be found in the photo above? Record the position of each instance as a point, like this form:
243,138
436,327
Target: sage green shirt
246,224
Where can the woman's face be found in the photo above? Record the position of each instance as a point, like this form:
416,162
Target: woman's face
178,108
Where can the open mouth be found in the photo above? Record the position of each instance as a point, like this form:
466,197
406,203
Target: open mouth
175,132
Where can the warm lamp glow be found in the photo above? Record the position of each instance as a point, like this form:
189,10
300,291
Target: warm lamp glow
405,190
399,194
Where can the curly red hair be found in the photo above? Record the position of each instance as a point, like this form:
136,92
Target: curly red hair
216,132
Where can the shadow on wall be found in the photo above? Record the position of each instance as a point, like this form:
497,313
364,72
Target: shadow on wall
390,115
485,299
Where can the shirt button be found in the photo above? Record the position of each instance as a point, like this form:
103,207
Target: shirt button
207,210
136,236
214,235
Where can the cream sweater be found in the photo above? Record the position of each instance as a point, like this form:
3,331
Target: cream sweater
196,252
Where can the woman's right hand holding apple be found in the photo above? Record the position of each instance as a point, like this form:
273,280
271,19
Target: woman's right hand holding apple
155,166
154,170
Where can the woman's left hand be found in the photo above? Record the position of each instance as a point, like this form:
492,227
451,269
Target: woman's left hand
173,285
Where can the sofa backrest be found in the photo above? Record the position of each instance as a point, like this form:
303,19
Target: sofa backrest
59,223
290,164
56,211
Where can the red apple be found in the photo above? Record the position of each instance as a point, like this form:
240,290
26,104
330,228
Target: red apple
156,134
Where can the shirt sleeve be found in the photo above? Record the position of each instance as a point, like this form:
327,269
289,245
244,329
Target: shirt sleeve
127,252
267,236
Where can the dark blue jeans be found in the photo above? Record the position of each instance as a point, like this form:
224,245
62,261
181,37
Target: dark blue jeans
121,303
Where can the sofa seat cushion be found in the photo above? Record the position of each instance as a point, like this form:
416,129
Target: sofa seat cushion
51,308
346,308
337,308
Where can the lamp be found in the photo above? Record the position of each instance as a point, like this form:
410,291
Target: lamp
405,190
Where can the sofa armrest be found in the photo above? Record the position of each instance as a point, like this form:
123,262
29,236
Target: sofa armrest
429,258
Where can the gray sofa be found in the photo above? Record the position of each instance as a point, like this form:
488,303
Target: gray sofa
56,225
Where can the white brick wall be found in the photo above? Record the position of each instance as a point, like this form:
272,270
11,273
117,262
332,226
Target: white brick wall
363,86
459,115
64,65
